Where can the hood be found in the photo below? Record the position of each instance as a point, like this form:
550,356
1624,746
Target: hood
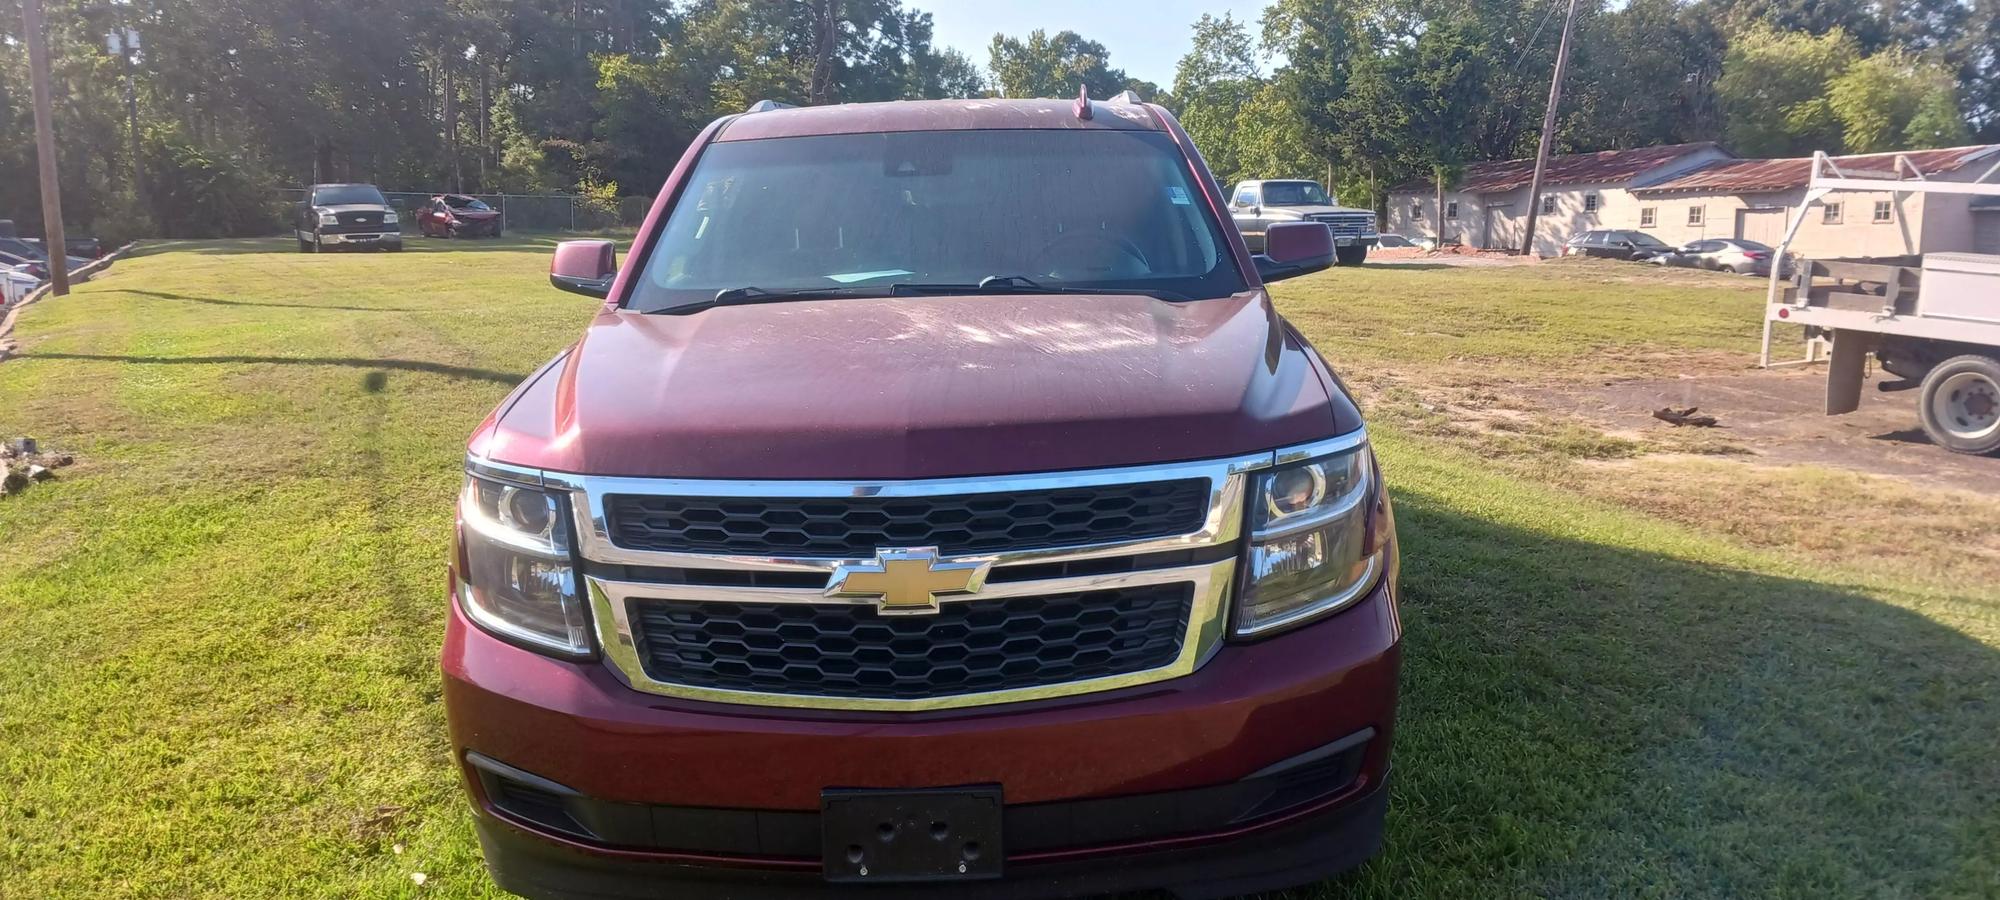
927,387
1303,211
354,207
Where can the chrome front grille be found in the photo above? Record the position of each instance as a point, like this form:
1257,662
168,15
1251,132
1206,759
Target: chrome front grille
1347,224
1094,599
956,524
846,650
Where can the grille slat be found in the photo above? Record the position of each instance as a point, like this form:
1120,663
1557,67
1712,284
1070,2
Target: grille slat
851,651
855,527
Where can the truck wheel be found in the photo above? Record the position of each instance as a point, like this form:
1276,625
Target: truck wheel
1351,256
1960,404
305,246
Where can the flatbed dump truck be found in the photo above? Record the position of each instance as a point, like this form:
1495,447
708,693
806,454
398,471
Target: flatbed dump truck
1932,320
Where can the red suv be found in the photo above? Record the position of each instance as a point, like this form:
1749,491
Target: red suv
936,505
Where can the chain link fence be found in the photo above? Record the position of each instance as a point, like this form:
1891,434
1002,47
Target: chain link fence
529,212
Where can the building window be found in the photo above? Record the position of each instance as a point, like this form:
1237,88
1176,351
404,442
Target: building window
1696,215
1590,203
1451,209
1548,204
1648,216
1416,210
1830,214
1884,211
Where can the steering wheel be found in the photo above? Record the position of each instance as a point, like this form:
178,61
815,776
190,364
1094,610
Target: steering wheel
1085,247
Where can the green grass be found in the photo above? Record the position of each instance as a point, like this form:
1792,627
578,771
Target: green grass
220,627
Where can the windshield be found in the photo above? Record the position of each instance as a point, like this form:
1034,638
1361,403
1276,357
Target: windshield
465,203
1647,241
348,193
1295,193
1068,210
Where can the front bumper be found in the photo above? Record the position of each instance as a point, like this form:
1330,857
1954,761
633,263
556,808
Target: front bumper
362,239
1252,708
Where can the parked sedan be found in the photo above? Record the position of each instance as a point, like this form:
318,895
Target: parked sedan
1723,255
456,215
15,283
1401,243
1615,245
17,252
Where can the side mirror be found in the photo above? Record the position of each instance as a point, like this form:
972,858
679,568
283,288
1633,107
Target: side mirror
1292,249
584,267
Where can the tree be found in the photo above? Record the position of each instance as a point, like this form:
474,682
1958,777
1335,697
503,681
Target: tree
1895,100
1054,67
1319,37
1445,71
1773,90
1213,84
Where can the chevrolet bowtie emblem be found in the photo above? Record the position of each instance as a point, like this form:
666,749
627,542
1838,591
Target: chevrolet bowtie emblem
907,582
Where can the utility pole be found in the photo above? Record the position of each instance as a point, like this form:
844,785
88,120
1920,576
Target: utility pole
45,147
127,43
1548,131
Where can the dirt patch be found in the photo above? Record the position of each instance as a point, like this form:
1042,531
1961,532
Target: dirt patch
1778,415
1460,257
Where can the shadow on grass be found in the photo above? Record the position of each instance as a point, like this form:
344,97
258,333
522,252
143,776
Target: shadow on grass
412,243
1583,720
402,365
216,301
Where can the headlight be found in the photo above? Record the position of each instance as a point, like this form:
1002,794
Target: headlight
327,218
1312,550
389,218
515,575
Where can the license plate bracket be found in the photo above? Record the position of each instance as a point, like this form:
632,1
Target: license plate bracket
910,836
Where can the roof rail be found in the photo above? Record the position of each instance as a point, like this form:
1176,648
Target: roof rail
1127,97
768,105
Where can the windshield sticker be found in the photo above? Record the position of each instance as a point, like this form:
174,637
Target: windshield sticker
852,277
1178,195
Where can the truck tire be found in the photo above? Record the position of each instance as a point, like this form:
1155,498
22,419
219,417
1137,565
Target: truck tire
1960,404
1351,256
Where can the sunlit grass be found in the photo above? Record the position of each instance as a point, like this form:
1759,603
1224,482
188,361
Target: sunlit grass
220,628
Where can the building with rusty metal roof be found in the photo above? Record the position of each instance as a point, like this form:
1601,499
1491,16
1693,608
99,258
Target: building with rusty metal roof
1488,207
1688,192
1755,199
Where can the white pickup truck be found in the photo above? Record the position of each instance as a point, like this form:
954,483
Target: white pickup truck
1257,205
1934,320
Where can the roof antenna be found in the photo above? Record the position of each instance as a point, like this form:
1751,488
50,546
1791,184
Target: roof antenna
1083,101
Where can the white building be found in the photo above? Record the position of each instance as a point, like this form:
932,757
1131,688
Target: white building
1754,199
1687,192
1580,191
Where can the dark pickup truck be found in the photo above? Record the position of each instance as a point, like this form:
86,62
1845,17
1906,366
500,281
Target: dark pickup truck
346,217
935,506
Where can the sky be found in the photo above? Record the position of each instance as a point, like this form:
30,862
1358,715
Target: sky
1144,38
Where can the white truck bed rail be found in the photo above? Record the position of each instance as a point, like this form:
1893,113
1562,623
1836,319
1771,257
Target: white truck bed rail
1794,304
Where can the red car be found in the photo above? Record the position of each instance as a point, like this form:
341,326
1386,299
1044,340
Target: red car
935,506
456,215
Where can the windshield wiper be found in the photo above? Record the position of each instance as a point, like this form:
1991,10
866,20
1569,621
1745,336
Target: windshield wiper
752,294
1017,284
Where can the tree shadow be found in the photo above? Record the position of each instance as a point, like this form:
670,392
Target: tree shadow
514,242
216,301
404,365
1588,720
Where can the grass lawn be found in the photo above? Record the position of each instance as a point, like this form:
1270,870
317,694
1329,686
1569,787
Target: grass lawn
221,626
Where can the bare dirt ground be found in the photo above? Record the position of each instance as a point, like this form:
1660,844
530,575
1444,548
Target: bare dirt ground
1407,256
1778,416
